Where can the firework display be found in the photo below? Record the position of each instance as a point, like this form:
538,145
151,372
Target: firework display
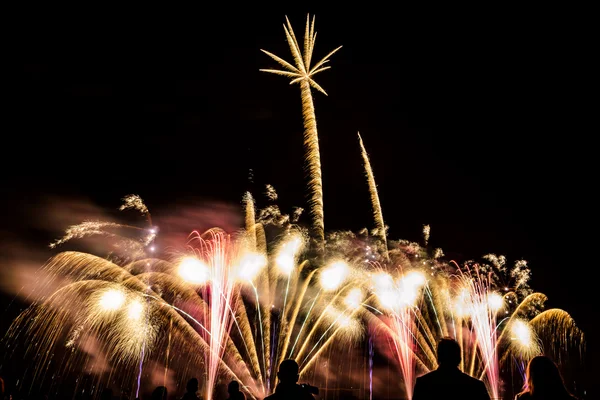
233,305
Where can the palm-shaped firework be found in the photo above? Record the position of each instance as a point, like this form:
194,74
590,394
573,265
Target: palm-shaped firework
303,73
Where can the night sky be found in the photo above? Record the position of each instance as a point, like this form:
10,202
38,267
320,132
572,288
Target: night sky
475,121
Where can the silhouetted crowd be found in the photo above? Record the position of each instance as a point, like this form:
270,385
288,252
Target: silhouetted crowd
543,382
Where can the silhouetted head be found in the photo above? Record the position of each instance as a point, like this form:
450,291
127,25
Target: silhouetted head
160,393
448,352
107,394
192,385
288,371
543,378
233,387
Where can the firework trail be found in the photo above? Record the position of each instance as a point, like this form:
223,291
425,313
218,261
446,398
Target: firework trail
217,255
303,73
484,327
371,368
250,219
401,299
377,212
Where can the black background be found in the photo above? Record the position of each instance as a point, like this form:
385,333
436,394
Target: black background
476,121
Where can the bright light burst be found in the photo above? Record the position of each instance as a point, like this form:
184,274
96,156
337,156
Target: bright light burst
334,275
525,343
251,264
354,298
135,309
495,301
286,258
193,270
112,300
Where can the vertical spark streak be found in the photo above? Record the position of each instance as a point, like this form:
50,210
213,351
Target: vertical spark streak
304,322
218,251
139,378
250,219
377,212
262,335
404,344
313,159
484,327
371,352
168,351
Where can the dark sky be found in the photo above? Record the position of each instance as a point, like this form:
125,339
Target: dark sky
475,120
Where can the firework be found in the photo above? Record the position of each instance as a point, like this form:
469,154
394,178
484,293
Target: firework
234,305
303,73
377,213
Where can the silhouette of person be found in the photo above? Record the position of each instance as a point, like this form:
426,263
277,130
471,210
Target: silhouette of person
288,389
448,382
191,390
234,391
543,381
160,393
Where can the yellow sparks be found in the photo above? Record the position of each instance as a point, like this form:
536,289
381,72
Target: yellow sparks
426,233
354,298
302,72
112,300
271,193
334,275
84,229
250,265
135,202
193,270
250,219
135,309
286,257
524,341
377,212
495,301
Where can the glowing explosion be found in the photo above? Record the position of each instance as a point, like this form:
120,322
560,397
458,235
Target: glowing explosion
234,305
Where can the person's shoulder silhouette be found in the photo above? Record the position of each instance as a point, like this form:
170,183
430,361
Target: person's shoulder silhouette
191,389
160,393
288,387
544,381
448,382
234,391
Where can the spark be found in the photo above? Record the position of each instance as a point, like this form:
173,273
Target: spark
271,193
376,204
135,202
334,275
495,301
286,258
250,265
84,229
135,310
354,298
112,300
193,270
426,233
